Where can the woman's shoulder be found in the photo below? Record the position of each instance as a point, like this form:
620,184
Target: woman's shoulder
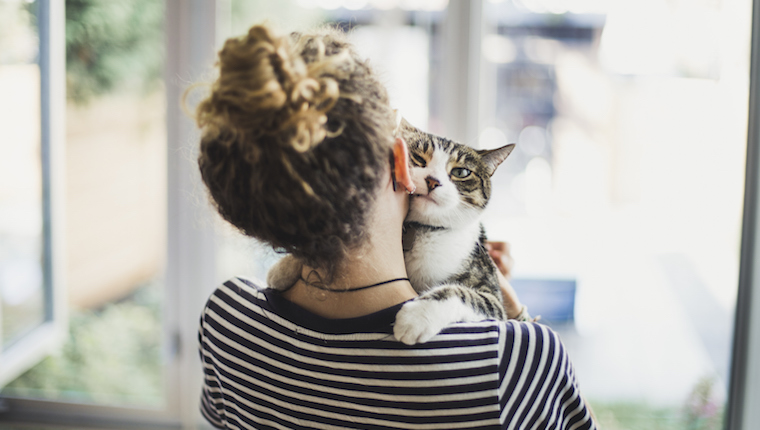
537,377
238,290
517,344
531,337
529,330
508,337
242,285
513,331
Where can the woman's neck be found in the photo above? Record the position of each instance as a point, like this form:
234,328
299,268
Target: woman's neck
372,265
336,300
381,258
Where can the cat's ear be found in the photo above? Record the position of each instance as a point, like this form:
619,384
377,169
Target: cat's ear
403,124
494,157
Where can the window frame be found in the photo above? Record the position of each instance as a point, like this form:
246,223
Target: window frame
190,271
463,29
48,336
744,385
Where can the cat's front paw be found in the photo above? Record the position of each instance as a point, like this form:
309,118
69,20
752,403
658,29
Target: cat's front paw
419,320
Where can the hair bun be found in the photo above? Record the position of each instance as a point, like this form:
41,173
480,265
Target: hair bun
266,88
275,98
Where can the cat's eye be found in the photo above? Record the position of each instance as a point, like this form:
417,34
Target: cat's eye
460,172
418,160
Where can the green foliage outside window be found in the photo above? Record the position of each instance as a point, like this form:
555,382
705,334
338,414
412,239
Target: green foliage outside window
112,356
113,45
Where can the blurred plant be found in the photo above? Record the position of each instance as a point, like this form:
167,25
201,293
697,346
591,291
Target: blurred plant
18,33
112,45
636,416
112,356
702,411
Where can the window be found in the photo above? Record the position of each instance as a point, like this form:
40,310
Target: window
110,170
623,201
32,320
624,195
622,205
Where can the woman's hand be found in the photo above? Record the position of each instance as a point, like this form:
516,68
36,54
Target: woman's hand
499,252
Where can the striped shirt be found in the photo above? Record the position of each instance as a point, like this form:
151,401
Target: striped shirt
270,364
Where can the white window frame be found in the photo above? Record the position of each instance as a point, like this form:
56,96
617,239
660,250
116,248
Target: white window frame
48,336
191,31
463,31
743,412
191,43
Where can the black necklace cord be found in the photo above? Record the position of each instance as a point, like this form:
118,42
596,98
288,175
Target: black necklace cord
322,287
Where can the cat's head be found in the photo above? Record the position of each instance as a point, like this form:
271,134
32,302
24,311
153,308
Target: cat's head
453,180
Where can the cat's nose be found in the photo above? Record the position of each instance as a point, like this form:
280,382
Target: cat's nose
432,183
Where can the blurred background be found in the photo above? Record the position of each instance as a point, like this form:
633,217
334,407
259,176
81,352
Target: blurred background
621,204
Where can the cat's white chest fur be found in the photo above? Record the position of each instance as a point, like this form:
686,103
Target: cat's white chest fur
439,254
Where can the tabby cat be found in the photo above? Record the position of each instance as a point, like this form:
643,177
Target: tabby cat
443,239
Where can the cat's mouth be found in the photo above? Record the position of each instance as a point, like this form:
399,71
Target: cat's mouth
427,197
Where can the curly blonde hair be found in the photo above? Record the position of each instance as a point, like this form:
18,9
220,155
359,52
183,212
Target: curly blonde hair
296,133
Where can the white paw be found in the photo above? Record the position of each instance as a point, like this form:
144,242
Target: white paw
419,320
284,273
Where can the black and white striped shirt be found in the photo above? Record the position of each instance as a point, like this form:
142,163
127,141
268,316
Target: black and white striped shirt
270,364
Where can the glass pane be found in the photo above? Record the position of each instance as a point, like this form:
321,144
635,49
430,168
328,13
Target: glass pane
622,202
22,292
115,210
402,41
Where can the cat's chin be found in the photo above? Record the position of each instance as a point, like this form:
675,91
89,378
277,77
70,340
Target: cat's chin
439,216
427,219
425,212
